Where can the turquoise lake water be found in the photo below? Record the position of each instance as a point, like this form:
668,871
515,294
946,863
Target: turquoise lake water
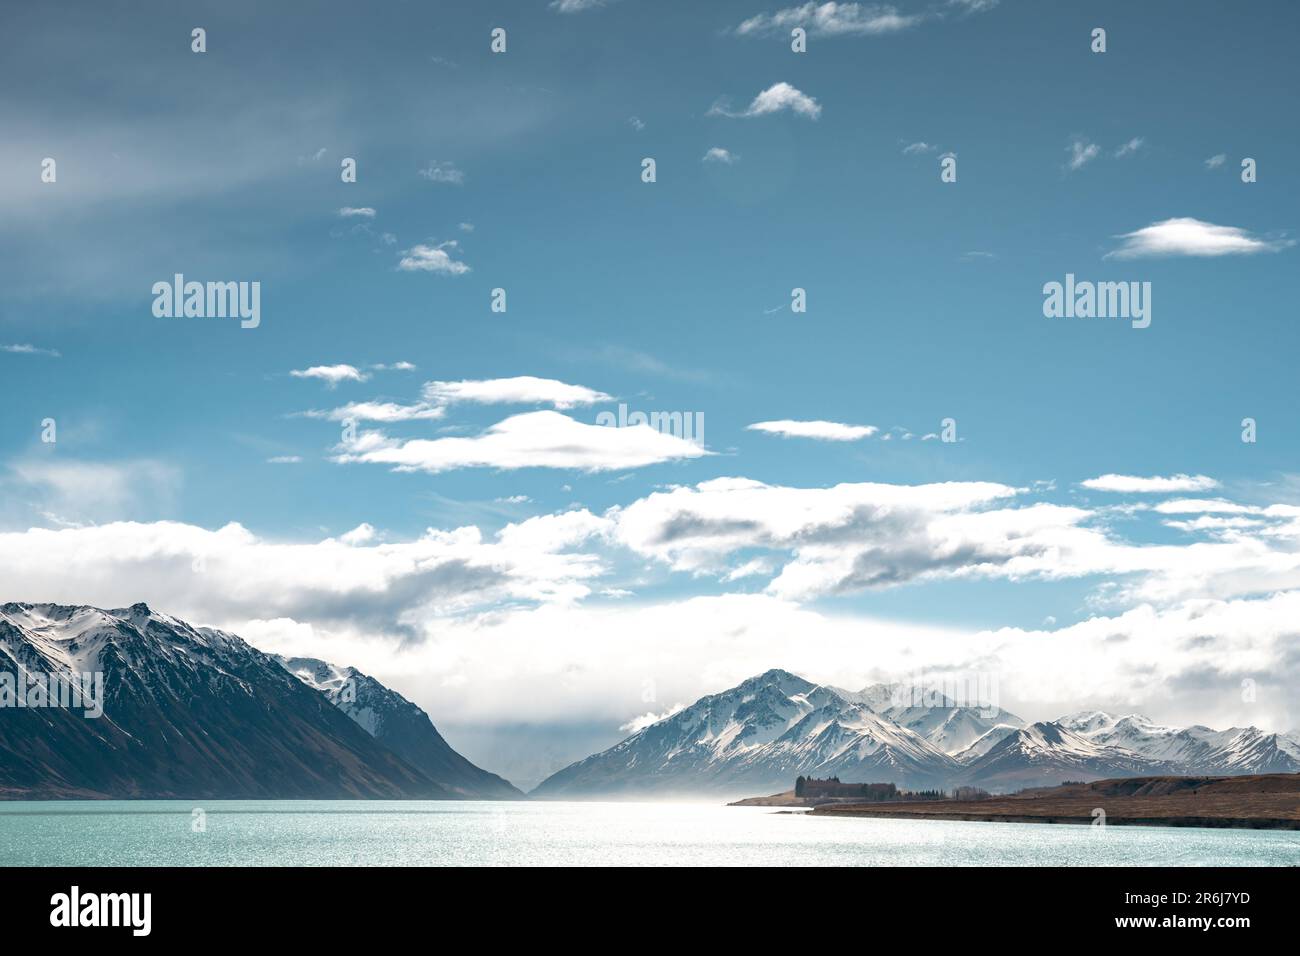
417,833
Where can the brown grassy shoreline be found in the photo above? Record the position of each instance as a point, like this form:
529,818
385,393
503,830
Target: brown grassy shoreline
1260,802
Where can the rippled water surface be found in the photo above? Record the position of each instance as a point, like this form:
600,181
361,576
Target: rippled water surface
367,833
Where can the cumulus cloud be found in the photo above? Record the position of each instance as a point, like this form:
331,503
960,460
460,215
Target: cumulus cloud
544,439
1192,237
331,375
518,390
558,663
487,628
1153,484
825,431
831,19
438,259
775,99
232,574
850,537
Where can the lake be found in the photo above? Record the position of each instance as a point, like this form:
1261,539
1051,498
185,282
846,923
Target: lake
434,833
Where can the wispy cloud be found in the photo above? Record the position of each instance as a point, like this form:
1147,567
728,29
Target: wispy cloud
385,412
717,154
576,6
777,98
914,149
353,212
1215,161
29,350
825,431
443,171
1132,146
1150,485
831,19
1192,237
1081,152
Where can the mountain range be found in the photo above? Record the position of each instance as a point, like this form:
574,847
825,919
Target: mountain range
197,713
758,736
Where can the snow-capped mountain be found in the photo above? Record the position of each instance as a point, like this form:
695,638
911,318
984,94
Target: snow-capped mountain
186,713
1193,749
984,743
760,734
399,725
950,727
757,737
1048,753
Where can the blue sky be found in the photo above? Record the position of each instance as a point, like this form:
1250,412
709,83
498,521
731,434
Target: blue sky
924,303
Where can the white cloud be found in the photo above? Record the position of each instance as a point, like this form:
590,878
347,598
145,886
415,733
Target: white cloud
717,154
544,439
361,534
352,212
394,367
1132,146
1153,484
443,171
425,258
1081,153
519,390
575,6
466,227
843,538
775,99
826,431
29,350
1192,237
831,19
637,724
331,375
81,491
380,412
555,664
913,149
1181,506
284,460
232,575
1214,162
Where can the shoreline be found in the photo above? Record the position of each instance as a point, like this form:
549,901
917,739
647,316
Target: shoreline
1207,822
